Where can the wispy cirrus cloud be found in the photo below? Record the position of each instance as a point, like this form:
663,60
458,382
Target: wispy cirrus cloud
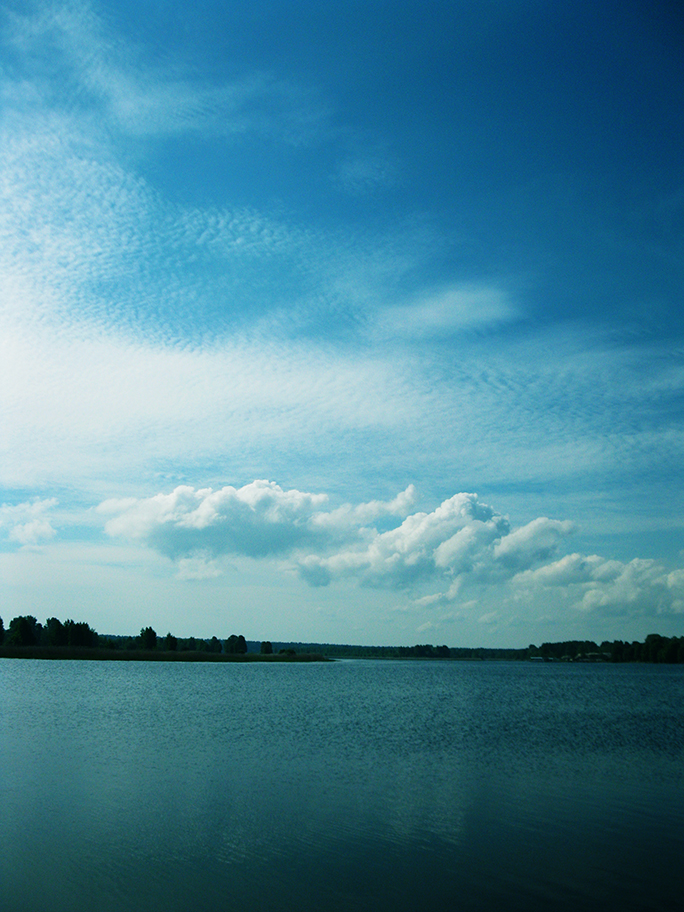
69,40
87,243
455,309
89,247
139,335
365,173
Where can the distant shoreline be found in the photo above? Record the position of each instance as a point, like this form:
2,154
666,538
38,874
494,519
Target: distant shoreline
94,654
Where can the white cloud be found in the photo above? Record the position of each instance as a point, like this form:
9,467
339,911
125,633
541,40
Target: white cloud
437,599
675,579
462,547
640,585
139,338
27,523
348,516
132,331
593,584
453,309
257,520
197,568
261,519
410,552
533,543
462,540
569,570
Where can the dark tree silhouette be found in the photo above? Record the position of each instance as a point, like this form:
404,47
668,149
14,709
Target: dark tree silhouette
80,634
236,645
24,631
149,638
54,633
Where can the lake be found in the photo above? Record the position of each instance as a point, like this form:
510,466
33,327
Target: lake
353,785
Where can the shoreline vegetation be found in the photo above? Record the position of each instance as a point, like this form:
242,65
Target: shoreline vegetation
99,654
26,638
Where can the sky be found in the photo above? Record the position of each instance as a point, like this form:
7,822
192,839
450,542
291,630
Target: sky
353,322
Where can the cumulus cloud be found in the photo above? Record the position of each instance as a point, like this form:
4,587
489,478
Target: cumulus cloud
594,584
533,543
27,523
571,569
635,585
462,539
257,520
423,545
348,516
461,548
675,579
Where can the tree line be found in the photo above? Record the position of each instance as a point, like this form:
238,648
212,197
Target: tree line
655,648
25,631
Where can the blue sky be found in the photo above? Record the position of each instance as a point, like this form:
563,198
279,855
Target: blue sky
359,324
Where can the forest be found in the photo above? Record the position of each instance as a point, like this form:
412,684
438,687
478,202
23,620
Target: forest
27,637
55,639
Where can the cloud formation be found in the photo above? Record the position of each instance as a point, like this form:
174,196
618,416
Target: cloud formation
450,310
257,520
186,284
189,319
142,100
463,544
595,584
461,537
455,538
261,520
28,523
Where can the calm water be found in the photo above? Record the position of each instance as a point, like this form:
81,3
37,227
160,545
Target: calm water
346,786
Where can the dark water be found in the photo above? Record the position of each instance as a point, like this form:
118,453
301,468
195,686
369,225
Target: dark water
346,786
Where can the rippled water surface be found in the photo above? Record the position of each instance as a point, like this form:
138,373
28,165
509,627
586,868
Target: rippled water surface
352,785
